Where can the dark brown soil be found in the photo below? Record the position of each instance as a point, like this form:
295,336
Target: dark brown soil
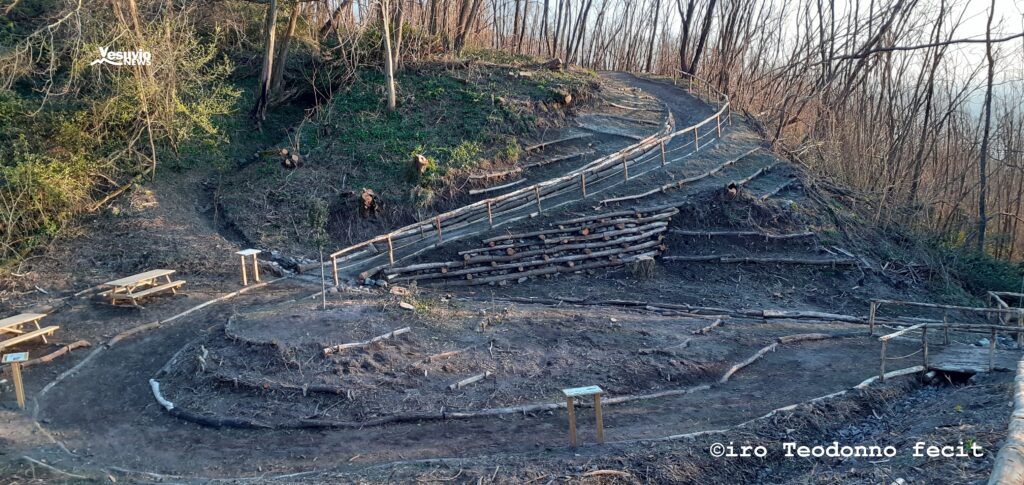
103,423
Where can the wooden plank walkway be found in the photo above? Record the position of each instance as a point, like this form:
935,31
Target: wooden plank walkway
972,359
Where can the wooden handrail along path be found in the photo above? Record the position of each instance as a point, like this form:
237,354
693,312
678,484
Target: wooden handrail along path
483,215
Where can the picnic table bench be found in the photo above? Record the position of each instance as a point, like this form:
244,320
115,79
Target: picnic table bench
132,288
14,325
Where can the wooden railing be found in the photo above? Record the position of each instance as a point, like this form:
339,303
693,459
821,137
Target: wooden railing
1001,312
597,176
992,330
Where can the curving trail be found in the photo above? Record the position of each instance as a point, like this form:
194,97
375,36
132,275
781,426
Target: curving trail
107,421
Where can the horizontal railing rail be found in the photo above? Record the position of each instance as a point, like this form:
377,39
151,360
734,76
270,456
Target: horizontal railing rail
594,177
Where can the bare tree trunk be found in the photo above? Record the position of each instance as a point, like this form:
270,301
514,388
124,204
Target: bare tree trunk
389,62
705,29
282,54
983,160
259,111
654,34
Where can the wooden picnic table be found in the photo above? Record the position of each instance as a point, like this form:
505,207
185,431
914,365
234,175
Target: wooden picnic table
14,325
132,288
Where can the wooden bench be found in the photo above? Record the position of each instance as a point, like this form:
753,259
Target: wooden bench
42,333
132,288
13,324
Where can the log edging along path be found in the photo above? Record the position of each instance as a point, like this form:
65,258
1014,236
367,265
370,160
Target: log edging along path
1008,468
220,421
134,331
464,460
576,185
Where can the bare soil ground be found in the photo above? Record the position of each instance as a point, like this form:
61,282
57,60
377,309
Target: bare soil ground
257,359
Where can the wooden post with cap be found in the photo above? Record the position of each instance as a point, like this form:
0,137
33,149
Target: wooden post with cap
570,403
15,360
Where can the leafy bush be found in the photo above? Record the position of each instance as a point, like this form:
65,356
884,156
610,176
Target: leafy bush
980,272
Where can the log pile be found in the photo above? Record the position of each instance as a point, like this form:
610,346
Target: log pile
591,242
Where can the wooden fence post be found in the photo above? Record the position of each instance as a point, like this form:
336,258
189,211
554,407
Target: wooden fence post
992,351
536,192
334,266
871,318
437,222
718,124
583,183
881,373
490,215
696,140
924,345
625,168
945,328
663,162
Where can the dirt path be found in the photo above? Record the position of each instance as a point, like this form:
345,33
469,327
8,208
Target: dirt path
128,429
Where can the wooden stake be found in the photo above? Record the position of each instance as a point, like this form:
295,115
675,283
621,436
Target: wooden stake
437,222
490,215
881,373
599,418
924,345
19,387
334,265
572,420
945,328
663,161
625,168
583,183
391,252
871,318
992,351
536,193
696,140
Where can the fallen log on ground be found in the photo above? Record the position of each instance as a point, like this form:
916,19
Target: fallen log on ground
57,353
729,259
765,235
705,330
392,334
788,339
736,368
469,380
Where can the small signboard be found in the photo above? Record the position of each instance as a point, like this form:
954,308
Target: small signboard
14,357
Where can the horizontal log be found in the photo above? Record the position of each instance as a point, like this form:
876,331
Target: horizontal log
562,158
520,265
496,187
729,259
765,235
337,348
554,269
1011,311
680,183
469,380
893,335
553,142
